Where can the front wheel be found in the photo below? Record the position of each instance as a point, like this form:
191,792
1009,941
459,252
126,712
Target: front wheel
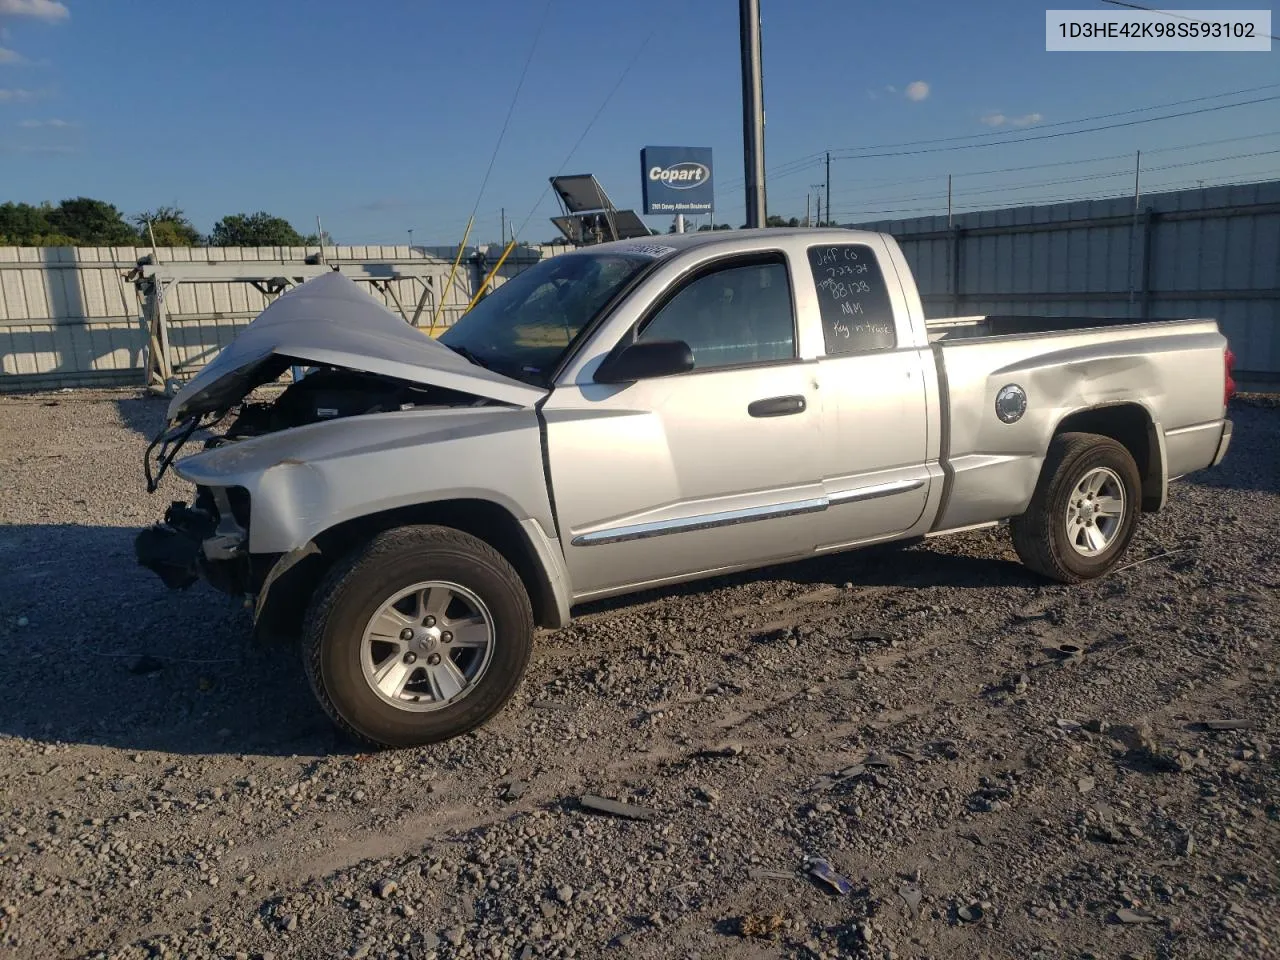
1084,511
418,637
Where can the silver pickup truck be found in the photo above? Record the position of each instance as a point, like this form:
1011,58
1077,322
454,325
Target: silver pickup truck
641,413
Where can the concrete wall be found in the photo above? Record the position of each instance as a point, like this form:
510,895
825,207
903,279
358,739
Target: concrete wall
1212,252
69,318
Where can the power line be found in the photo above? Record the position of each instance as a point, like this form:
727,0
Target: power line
590,123
1237,180
890,181
995,134
794,166
1167,13
1106,192
1066,133
1051,136
546,10
1008,188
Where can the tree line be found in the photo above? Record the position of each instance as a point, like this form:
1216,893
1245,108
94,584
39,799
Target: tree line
85,222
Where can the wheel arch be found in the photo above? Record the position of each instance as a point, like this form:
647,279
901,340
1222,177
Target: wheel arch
286,595
1132,426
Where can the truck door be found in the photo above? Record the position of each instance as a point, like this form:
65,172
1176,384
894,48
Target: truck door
874,403
712,469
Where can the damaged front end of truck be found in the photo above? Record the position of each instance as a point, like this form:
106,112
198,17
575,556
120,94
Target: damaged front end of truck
271,470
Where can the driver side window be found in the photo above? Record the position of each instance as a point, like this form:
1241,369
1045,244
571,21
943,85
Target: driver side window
733,316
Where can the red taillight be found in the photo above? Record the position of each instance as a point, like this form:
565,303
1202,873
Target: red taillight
1229,383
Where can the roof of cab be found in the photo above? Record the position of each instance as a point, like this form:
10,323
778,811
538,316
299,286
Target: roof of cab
684,241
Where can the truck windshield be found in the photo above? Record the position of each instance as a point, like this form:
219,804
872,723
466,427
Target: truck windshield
524,327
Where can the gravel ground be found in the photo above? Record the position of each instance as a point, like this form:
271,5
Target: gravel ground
912,716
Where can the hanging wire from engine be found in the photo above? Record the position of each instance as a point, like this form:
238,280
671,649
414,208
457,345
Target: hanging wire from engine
170,440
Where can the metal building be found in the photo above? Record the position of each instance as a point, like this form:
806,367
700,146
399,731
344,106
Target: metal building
84,316
1211,252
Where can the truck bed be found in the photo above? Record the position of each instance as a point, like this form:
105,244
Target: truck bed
1166,376
1006,325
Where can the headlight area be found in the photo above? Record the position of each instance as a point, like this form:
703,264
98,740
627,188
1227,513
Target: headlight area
207,538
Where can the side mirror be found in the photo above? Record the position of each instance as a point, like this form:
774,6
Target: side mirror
644,359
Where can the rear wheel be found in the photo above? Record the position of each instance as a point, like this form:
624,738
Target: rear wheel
418,637
1084,512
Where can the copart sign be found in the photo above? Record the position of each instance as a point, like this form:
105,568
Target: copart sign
676,180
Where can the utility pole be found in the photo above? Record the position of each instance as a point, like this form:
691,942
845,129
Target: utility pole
752,111
807,198
948,201
1133,229
411,241
817,195
504,226
828,189
1137,173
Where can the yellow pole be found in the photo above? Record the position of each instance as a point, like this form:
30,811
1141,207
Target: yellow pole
496,267
449,286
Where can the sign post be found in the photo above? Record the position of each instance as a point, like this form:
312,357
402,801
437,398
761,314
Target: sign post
676,181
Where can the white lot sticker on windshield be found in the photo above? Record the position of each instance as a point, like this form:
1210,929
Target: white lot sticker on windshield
647,249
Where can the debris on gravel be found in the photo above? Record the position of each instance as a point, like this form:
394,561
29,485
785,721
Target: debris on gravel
614,808
992,765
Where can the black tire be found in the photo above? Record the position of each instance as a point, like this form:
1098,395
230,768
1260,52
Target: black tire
1040,535
355,590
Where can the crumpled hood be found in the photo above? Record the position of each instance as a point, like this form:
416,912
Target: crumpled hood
330,321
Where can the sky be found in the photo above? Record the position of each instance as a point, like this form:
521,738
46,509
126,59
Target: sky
383,118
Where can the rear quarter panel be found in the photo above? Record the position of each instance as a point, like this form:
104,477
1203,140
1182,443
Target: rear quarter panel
1174,371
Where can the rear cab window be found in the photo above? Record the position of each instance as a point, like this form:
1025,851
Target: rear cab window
856,310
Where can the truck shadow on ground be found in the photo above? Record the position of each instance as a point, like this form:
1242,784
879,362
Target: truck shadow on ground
1256,422
97,651
913,564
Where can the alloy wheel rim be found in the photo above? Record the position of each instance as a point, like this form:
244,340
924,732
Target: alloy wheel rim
427,646
1095,512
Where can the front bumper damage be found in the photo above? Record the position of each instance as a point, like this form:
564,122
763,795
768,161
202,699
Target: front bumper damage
206,540
172,549
197,540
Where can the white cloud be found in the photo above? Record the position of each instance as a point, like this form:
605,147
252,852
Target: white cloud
15,96
917,90
50,10
999,119
890,88
10,56
37,124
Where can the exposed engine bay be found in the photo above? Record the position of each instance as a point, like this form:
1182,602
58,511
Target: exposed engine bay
329,393
324,393
206,537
